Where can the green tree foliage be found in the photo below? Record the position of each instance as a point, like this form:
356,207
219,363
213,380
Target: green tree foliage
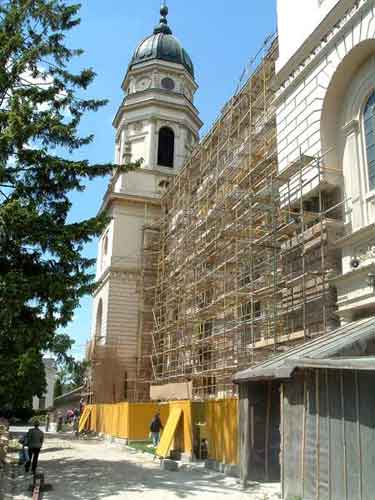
79,372
43,274
71,374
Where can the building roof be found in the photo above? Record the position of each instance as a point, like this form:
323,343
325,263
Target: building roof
359,363
162,45
73,395
345,345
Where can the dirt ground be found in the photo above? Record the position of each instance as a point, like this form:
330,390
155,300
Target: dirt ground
88,470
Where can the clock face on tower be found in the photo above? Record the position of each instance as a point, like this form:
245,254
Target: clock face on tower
143,84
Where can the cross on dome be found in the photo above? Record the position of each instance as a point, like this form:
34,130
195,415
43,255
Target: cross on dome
162,46
163,23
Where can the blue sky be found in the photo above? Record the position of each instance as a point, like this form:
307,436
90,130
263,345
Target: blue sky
221,38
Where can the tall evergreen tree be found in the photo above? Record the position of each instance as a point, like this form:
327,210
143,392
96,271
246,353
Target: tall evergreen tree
43,274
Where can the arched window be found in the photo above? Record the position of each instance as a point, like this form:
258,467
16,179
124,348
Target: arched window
104,251
99,322
105,245
166,147
369,127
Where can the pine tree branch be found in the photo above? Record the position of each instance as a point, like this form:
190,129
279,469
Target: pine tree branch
43,274
4,195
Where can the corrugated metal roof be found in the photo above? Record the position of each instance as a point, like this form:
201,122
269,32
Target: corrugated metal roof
348,341
361,363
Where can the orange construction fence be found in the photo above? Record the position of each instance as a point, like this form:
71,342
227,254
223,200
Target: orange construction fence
221,431
213,423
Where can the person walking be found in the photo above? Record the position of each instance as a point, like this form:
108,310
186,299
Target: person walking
76,425
69,416
47,422
155,427
59,422
24,452
34,439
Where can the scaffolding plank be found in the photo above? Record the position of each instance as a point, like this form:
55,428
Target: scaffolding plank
84,418
168,433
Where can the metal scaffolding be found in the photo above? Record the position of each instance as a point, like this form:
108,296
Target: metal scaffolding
238,267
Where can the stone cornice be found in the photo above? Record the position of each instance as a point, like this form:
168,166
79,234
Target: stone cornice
157,64
186,107
352,304
113,196
318,44
354,275
123,273
110,194
359,236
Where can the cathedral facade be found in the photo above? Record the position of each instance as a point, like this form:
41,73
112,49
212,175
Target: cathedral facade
265,229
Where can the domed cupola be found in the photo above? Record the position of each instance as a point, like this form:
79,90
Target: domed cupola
157,120
162,45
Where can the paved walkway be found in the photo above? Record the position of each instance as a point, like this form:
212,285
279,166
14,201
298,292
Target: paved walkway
88,470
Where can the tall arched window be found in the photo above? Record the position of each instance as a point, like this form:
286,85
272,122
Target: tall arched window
104,255
166,147
99,322
105,245
369,127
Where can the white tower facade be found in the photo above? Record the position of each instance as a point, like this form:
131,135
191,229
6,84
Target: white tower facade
157,123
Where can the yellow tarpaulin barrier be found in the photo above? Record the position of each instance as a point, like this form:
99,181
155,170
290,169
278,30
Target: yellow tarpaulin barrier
169,431
85,416
215,422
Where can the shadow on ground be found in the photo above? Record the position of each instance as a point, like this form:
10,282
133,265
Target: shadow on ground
88,470
89,478
52,450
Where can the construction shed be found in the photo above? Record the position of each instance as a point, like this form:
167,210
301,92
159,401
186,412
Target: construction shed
320,437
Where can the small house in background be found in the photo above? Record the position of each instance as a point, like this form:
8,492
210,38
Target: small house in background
308,417
46,401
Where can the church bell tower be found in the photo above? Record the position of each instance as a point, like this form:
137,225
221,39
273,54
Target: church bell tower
157,123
